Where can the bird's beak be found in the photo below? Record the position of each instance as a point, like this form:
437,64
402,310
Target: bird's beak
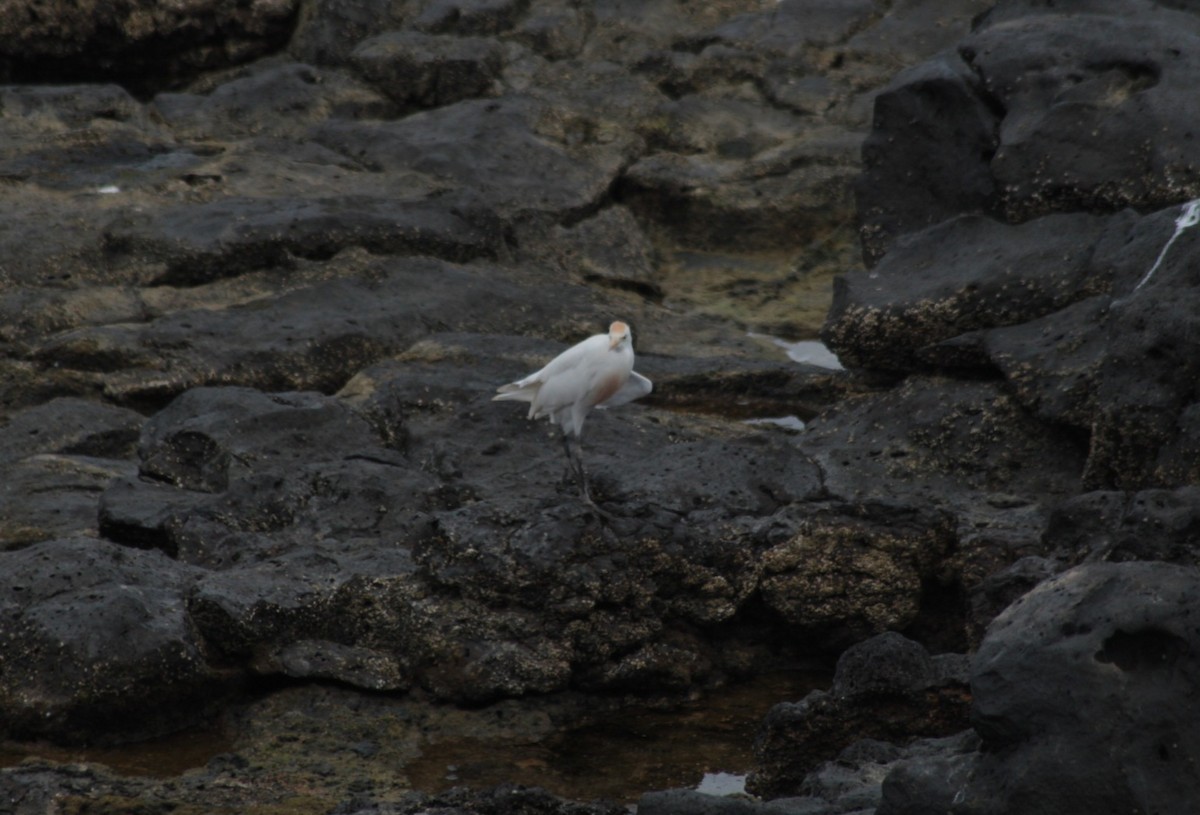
613,341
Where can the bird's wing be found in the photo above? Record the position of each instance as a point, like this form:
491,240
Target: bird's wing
577,355
635,387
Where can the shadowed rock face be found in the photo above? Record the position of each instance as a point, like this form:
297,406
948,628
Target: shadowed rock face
264,264
147,45
1117,638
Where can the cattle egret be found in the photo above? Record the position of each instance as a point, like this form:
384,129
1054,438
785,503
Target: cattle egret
597,372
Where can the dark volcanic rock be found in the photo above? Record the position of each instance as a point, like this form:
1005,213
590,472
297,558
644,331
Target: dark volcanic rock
309,507
957,435
1041,110
55,460
846,572
785,193
886,663
70,426
328,31
533,167
1118,641
310,293
260,465
940,168
234,235
227,783
885,688
930,777
999,589
965,274
48,495
1121,526
146,45
469,17
1072,133
251,102
428,70
309,337
97,644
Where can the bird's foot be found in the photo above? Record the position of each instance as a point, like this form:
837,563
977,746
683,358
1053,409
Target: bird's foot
595,509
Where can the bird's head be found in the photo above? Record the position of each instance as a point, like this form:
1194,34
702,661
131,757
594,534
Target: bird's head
618,333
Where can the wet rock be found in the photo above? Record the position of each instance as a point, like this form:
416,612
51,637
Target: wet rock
939,169
249,104
309,337
1114,639
554,30
428,70
783,194
327,32
1104,81
71,426
612,249
56,458
1119,526
48,495
851,572
931,776
886,688
965,274
98,645
1000,589
866,775
984,129
145,45
530,171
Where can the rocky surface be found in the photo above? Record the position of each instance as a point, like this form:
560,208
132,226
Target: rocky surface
886,689
264,265
1116,637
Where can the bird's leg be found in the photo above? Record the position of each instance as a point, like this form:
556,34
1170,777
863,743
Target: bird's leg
572,469
575,461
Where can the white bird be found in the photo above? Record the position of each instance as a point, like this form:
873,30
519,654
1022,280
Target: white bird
597,372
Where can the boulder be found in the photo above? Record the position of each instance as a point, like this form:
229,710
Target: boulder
964,274
939,168
1155,524
419,70
1039,110
1098,77
98,645
847,572
1117,642
885,689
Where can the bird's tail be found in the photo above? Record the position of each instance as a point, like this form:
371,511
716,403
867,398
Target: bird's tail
516,392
